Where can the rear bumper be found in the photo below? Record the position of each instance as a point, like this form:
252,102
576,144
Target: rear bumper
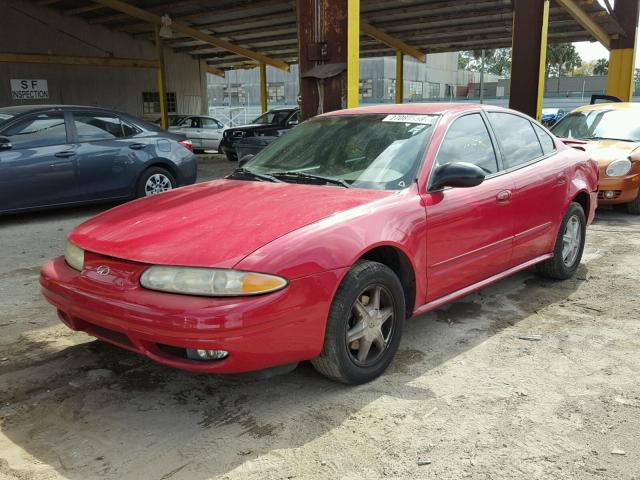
625,189
258,332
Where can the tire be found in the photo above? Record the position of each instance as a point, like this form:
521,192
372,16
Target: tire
566,256
341,360
633,207
232,157
155,180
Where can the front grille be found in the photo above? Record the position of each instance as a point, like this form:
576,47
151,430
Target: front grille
111,335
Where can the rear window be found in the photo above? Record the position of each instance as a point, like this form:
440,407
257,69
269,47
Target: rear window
4,117
517,138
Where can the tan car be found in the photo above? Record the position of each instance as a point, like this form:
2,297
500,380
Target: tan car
611,132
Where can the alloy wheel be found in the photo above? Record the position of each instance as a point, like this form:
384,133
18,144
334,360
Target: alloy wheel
157,183
370,326
571,241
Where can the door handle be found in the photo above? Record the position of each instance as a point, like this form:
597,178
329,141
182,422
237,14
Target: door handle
503,197
137,146
65,154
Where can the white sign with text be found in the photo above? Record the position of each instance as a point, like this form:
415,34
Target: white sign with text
25,89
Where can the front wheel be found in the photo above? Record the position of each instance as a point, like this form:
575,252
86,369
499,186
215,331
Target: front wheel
155,180
633,207
364,325
569,246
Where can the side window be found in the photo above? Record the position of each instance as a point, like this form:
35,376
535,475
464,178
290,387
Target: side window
191,122
129,130
294,119
40,130
546,141
209,123
517,138
468,140
92,128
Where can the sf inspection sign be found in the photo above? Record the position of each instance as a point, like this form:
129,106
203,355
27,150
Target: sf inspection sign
24,89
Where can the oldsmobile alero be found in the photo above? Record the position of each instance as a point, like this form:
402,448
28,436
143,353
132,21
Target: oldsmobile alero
323,244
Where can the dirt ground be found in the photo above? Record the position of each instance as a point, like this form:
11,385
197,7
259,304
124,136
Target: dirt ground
525,379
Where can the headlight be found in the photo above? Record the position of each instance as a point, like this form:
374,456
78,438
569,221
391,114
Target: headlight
74,256
618,168
209,281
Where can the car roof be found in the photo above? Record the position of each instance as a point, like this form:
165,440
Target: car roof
282,109
418,108
609,106
20,109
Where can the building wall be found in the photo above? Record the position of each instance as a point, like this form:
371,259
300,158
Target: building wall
30,29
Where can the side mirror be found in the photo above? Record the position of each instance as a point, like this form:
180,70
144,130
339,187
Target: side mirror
5,144
292,123
245,159
457,175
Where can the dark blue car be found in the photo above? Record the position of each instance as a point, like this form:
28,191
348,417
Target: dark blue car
54,155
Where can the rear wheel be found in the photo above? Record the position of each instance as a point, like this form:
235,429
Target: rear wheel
364,326
569,246
155,180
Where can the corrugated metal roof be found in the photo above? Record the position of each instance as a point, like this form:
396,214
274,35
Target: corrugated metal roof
269,26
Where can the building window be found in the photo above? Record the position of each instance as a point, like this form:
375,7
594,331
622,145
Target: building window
366,88
275,92
235,94
415,90
151,102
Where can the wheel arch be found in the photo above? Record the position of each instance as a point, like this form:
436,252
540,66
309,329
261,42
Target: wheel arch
398,261
584,200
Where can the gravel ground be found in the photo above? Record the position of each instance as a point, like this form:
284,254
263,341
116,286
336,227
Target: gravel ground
525,379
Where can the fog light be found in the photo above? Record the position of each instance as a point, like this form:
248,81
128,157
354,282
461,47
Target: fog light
207,354
609,194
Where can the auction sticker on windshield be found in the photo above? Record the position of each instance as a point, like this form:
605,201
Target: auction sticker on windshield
421,119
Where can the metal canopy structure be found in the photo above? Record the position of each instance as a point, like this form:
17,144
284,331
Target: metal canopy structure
268,28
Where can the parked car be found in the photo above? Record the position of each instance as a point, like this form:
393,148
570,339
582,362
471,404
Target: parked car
328,239
204,132
610,133
52,155
270,124
550,116
173,120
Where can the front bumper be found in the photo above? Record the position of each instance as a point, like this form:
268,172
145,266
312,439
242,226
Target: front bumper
258,332
625,189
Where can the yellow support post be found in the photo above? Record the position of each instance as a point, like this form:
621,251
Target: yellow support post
542,74
162,85
263,87
621,70
399,76
353,53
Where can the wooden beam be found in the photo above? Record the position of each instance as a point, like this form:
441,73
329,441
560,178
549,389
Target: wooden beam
45,3
192,32
589,24
86,8
392,41
215,71
68,60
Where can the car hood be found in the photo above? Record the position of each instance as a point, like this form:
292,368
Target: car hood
606,151
213,224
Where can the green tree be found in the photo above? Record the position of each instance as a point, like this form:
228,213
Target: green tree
601,67
562,58
496,61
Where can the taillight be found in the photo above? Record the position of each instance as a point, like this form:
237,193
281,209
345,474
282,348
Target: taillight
188,144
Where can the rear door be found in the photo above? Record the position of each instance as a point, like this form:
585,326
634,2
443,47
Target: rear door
109,154
469,230
40,168
211,132
192,128
539,183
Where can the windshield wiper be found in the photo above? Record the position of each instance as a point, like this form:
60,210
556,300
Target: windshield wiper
609,138
310,176
246,173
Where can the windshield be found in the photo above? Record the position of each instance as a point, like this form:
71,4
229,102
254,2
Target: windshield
4,117
600,124
365,151
272,118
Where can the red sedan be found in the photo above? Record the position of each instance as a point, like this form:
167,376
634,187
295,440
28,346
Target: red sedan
320,247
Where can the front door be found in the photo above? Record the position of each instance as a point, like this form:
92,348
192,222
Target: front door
469,230
40,168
